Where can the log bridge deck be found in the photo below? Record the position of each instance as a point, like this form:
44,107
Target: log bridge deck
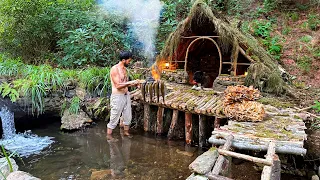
284,127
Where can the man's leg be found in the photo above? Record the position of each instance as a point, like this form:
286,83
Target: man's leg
127,116
121,121
116,103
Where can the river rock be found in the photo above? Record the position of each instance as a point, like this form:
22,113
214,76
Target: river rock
196,177
20,175
4,167
74,121
204,163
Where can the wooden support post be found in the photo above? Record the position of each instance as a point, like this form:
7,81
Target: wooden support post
266,172
202,130
276,168
146,117
160,120
188,127
216,122
174,120
221,159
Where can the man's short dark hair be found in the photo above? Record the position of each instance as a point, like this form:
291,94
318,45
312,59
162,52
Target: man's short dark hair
125,55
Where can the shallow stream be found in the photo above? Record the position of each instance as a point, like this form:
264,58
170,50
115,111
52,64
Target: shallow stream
76,155
81,154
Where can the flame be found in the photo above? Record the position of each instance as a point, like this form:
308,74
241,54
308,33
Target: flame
245,73
155,72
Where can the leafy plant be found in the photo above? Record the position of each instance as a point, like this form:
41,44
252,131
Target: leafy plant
95,80
10,67
273,46
75,105
316,106
262,28
270,5
7,90
313,21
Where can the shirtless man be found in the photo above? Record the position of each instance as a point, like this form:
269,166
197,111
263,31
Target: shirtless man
120,101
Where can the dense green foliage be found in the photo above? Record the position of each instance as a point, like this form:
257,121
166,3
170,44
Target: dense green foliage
173,12
73,33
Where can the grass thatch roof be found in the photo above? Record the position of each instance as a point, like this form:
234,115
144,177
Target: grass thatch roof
202,21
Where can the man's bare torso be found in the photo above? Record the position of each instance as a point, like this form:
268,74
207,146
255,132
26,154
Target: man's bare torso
120,77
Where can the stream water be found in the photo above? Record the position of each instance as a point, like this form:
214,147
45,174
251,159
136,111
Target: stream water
79,154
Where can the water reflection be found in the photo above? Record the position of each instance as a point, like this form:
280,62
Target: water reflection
119,157
80,155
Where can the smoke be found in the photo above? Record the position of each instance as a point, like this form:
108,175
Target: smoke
143,16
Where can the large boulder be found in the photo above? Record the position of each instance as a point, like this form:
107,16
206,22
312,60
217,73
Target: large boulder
5,168
71,121
20,175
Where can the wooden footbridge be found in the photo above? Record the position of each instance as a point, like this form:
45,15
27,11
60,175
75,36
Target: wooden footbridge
281,131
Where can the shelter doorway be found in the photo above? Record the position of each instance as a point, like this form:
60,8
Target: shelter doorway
203,54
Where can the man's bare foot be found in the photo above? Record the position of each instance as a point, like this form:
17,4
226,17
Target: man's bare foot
111,139
127,134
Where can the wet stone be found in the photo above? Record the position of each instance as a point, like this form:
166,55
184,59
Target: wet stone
16,175
4,167
196,177
204,163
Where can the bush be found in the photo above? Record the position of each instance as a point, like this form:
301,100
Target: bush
29,26
74,33
97,42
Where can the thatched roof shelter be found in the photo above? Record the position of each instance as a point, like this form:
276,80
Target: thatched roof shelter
205,41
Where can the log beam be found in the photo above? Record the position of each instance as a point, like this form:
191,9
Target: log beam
188,127
245,157
174,120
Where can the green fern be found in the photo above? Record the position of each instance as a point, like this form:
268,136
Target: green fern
7,90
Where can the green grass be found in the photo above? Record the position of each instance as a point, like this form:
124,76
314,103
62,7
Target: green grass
306,39
36,82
